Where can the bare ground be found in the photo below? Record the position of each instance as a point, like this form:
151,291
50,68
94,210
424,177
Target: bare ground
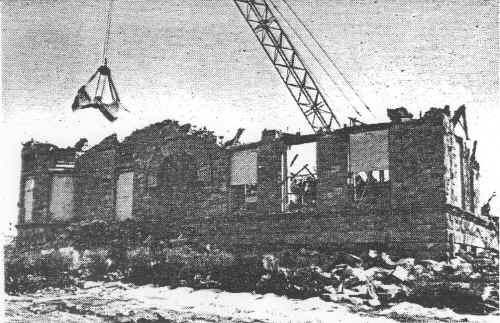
118,302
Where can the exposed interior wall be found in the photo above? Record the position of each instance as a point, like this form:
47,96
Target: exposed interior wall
457,183
462,173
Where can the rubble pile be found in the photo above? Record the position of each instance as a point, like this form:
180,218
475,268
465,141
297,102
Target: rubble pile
374,279
464,283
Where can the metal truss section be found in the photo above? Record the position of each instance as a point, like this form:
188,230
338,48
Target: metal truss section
288,63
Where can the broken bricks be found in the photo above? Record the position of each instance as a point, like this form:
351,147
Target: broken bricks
376,279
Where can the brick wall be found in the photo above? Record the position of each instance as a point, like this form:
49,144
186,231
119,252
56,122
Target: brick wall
182,176
464,231
406,212
269,173
37,160
95,181
462,173
177,174
332,155
416,157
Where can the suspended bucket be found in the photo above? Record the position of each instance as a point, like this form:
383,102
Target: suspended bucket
104,87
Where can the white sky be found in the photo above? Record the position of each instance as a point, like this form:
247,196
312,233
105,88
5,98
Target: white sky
197,61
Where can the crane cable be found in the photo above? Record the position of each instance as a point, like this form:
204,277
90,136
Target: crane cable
105,49
108,33
327,55
315,57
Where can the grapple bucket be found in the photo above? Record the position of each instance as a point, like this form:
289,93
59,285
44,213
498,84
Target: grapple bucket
104,87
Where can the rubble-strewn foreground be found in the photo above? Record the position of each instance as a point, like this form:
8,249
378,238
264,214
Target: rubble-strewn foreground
180,281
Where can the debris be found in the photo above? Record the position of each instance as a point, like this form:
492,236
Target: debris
374,302
400,273
47,251
389,292
377,273
270,263
406,262
456,283
399,114
236,139
433,265
387,261
89,284
352,260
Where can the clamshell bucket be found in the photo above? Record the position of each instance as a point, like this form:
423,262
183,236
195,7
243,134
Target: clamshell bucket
83,99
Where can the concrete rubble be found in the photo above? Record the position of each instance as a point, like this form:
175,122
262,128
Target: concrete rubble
376,280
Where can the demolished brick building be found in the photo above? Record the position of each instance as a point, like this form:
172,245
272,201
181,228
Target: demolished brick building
409,185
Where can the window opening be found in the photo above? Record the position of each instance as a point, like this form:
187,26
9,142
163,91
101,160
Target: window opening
29,187
368,162
61,201
363,182
124,195
244,180
302,181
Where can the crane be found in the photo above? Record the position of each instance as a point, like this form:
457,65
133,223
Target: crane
288,63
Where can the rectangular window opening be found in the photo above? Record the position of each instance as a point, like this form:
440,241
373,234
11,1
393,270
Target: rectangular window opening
301,177
61,197
29,186
368,162
124,195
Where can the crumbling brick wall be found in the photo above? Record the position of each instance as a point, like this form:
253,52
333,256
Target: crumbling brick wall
177,175
34,166
462,172
269,173
181,176
95,182
468,232
418,191
332,154
407,210
37,163
417,164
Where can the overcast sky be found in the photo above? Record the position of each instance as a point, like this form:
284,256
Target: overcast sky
197,61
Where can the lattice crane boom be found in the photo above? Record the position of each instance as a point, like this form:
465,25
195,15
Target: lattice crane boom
288,63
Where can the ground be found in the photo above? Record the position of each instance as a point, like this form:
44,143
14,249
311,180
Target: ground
118,302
